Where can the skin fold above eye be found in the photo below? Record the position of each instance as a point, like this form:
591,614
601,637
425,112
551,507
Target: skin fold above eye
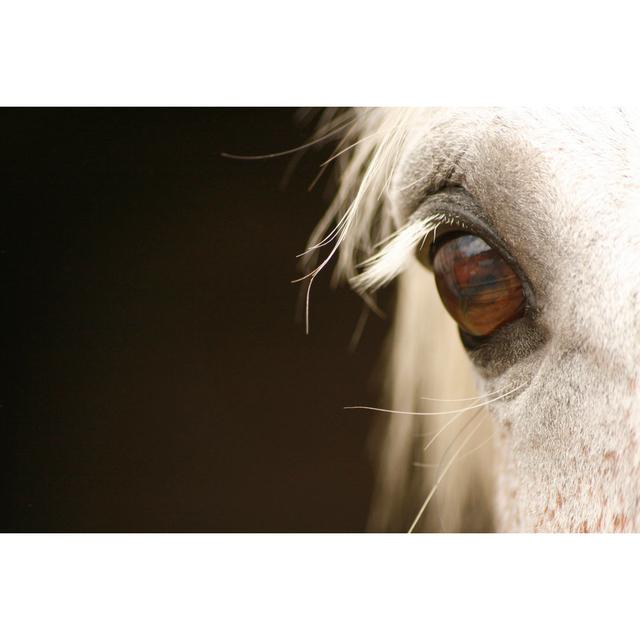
477,286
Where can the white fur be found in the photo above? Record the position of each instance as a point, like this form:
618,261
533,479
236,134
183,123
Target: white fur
562,189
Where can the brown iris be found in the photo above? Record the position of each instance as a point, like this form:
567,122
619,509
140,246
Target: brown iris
477,286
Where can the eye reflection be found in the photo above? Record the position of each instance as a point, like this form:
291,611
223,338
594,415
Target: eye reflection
477,286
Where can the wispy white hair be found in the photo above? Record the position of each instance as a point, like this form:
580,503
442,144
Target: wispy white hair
373,245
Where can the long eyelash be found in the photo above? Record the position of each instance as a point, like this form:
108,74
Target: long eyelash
393,258
390,261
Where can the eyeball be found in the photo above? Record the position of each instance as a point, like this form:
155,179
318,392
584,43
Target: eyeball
477,286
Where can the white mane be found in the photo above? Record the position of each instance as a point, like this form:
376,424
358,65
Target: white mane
374,245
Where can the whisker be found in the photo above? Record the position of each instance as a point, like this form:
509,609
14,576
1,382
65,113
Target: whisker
441,430
486,395
447,424
441,476
476,448
440,413
456,457
462,430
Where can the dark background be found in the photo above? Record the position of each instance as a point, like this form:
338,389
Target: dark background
159,376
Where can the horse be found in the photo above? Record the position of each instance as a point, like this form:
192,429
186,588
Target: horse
513,360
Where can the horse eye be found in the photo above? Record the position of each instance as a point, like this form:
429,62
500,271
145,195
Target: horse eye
477,286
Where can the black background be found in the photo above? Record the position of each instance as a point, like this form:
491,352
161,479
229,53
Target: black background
159,376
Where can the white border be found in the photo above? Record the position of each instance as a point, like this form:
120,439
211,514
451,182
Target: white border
290,53
318,586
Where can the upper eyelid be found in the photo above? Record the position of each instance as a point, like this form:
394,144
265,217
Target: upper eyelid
452,204
455,210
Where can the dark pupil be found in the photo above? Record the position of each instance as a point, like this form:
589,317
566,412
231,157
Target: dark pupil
478,288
